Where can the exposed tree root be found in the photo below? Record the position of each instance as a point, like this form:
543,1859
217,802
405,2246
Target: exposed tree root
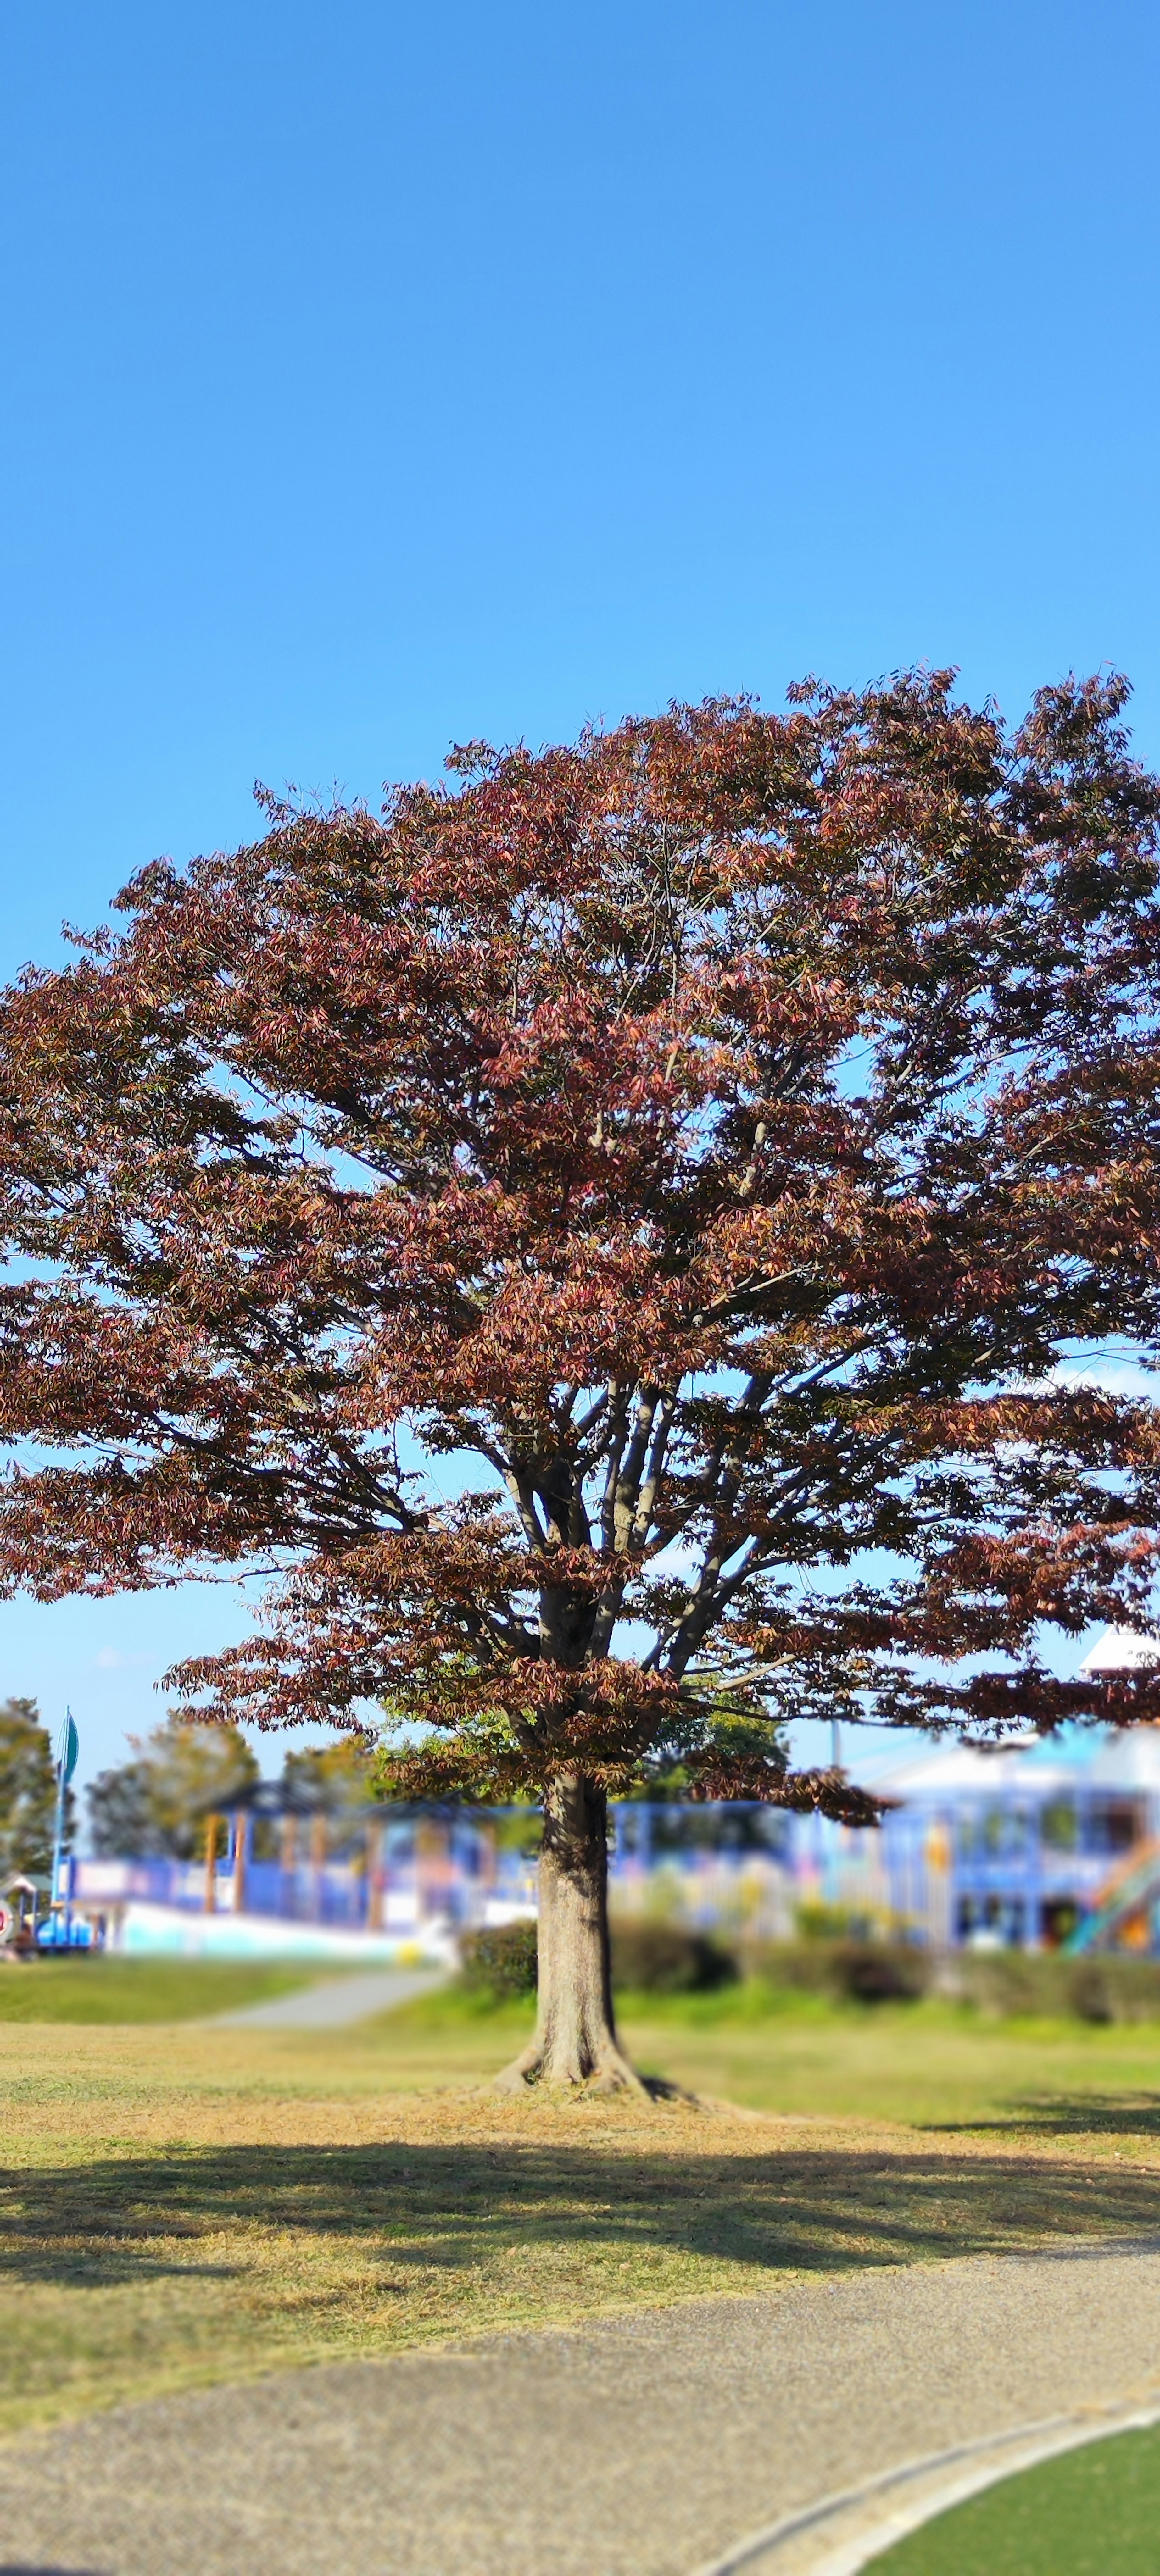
534,2071
555,2070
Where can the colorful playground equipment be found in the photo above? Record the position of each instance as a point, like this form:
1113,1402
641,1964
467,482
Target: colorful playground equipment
1125,1908
1031,1844
281,1868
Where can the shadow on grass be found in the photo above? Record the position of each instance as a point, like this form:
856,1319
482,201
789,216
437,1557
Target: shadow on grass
1135,2115
432,2207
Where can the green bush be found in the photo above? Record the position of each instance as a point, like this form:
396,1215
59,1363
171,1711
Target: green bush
650,1958
848,1971
665,1959
1002,1982
500,1962
662,1959
1103,1987
817,1921
1114,1989
1099,1987
872,1972
1089,1991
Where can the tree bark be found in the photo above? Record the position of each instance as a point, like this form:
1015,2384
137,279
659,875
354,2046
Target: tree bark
575,2040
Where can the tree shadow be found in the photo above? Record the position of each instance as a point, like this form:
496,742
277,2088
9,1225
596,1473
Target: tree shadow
418,2206
1068,2115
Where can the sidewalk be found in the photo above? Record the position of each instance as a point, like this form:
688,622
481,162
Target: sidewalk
336,2004
650,2445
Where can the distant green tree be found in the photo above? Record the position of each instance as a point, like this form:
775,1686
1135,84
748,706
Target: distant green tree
338,1775
156,1806
27,1793
339,1779
122,1823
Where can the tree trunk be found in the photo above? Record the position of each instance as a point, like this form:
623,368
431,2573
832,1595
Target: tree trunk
575,2041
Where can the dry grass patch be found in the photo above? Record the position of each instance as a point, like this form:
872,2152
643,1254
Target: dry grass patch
184,2205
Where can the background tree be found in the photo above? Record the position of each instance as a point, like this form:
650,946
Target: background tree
157,1805
122,1825
607,1237
339,1782
340,1777
27,1793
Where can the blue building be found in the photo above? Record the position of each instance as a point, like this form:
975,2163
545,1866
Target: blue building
1032,1845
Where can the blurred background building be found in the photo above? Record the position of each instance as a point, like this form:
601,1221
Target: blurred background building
1028,1845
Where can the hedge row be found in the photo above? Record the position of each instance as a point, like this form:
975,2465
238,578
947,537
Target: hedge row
660,1958
654,1958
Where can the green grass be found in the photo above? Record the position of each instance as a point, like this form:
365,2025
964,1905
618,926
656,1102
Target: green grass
935,2065
143,1990
1095,2512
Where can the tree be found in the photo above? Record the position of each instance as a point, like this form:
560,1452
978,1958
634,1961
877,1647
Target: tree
122,1825
607,1238
338,1777
338,1783
28,1788
158,1804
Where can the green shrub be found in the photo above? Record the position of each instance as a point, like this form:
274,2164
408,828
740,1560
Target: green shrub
849,1971
871,1972
1114,1988
1089,1991
1099,1987
1004,1982
817,1921
500,1962
663,1959
796,1967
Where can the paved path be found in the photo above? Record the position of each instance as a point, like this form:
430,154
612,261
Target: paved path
336,2003
645,2446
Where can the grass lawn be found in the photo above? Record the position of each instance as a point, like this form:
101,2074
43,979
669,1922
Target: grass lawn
129,1990
1095,2511
180,2204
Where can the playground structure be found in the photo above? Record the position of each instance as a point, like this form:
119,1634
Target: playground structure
1029,1846
35,1913
280,1865
1036,1844
32,1918
1129,1902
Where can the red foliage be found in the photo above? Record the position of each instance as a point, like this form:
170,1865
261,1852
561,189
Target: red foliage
603,1236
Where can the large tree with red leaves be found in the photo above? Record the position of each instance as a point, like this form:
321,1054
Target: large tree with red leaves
603,1237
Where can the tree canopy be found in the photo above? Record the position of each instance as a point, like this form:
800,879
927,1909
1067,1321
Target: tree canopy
610,1237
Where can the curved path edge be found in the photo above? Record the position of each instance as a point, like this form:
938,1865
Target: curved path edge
859,2524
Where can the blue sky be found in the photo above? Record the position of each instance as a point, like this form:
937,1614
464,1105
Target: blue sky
374,378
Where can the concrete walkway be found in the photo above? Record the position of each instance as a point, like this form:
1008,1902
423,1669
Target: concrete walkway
651,2445
335,2003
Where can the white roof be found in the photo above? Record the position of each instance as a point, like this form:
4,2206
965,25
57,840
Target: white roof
949,1770
1124,1761
1122,1650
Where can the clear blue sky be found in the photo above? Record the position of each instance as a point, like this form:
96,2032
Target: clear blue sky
377,377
